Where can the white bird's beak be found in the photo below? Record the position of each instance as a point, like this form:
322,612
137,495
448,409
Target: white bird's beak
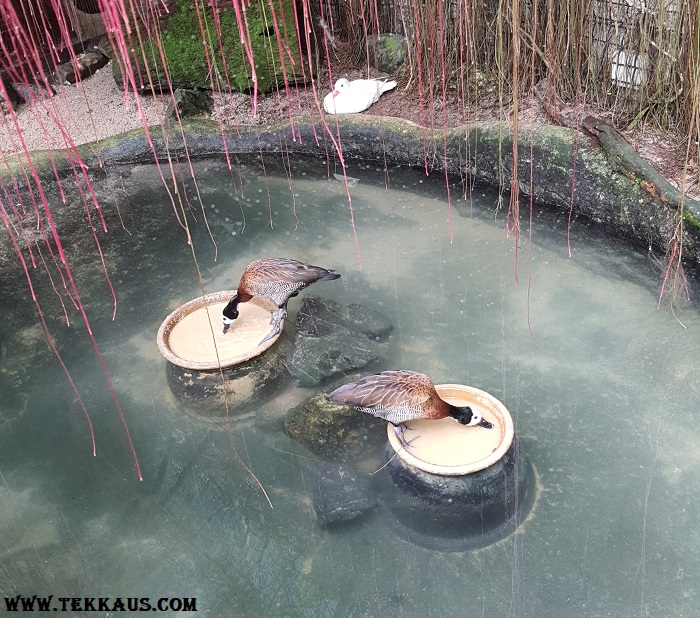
336,93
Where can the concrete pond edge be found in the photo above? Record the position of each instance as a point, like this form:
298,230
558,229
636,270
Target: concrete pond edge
606,187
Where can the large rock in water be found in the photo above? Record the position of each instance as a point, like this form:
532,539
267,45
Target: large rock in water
318,358
186,52
341,494
332,431
319,316
333,339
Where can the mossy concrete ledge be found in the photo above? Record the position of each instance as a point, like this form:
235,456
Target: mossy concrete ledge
604,189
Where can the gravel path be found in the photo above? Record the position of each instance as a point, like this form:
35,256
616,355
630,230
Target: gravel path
90,111
97,108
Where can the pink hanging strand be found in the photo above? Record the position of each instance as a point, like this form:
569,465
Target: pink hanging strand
49,338
244,33
336,142
444,117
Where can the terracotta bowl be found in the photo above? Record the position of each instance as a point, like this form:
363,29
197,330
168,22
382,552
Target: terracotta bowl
475,456
227,385
480,497
196,304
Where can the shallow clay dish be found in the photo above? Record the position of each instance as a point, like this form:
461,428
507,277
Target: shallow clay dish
445,447
192,337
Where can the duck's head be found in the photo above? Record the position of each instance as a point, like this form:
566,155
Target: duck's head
340,85
230,313
466,416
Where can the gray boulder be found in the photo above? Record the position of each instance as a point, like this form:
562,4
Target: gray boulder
341,494
319,316
333,339
332,431
317,358
85,65
387,52
13,99
190,104
105,47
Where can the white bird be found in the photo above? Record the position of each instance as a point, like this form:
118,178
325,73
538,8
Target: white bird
355,96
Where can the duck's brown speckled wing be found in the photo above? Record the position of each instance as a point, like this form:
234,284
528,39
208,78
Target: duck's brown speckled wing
278,278
389,394
269,270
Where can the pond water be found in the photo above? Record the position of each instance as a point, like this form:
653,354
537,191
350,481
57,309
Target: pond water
599,382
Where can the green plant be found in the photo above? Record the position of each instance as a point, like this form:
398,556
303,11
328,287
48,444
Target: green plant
189,55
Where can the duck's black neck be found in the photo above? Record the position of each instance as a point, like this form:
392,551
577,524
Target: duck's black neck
231,310
457,412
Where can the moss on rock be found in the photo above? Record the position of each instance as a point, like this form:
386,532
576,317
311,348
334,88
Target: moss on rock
388,52
186,51
332,431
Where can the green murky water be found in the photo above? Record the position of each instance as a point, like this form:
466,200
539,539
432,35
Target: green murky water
600,384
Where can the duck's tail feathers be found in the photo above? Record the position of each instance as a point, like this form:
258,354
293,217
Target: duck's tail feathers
342,394
330,275
387,86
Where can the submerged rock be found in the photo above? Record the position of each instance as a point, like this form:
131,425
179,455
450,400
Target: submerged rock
332,431
23,352
341,494
261,557
318,358
334,339
319,316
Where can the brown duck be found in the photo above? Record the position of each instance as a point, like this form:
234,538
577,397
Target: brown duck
400,396
277,279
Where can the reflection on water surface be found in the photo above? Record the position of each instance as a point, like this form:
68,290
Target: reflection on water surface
601,390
